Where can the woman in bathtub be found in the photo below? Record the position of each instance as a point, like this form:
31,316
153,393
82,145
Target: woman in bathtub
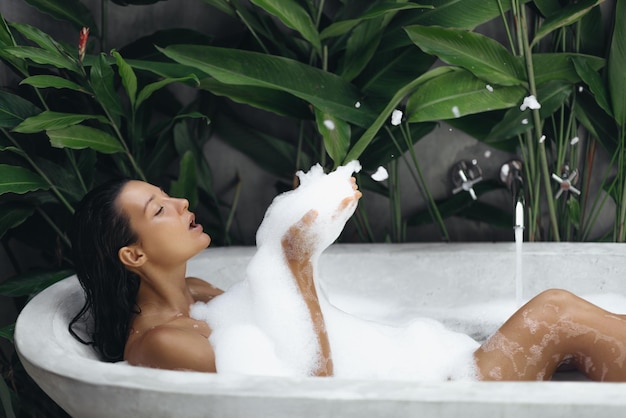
131,246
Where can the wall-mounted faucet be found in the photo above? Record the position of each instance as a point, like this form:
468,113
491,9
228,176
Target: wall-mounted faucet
511,175
465,174
566,181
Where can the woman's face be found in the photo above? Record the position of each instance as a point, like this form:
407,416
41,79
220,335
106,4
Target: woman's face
166,230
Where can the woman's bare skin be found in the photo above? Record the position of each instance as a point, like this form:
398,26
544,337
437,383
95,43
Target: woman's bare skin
162,334
297,247
556,327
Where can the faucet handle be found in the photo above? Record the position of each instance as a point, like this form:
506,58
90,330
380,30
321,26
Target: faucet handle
566,181
465,174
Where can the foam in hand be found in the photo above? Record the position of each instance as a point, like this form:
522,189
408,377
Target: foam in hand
262,325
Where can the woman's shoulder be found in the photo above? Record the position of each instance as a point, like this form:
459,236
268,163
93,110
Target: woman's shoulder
179,345
202,291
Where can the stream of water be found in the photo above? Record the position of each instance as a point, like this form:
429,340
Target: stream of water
519,283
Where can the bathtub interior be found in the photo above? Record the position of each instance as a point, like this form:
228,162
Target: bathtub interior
469,287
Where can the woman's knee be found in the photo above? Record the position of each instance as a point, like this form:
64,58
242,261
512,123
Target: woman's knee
556,302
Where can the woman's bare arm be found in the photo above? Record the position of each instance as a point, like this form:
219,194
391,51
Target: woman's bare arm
297,247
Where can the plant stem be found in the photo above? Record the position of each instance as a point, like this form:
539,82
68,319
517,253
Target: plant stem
103,24
543,159
621,232
367,137
420,182
54,226
123,142
320,10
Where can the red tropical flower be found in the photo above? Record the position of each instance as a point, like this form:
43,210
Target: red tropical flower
82,43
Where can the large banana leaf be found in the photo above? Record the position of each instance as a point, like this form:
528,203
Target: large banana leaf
7,40
560,66
72,11
13,214
14,109
551,95
461,14
324,90
458,93
32,283
565,16
79,137
293,16
14,179
617,65
53,120
275,101
483,56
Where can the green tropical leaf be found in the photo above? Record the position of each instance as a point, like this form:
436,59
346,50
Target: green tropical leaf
72,11
52,81
551,95
13,214
483,56
276,101
43,57
456,94
597,122
293,16
7,40
31,283
42,39
15,179
360,48
388,71
5,392
6,332
222,5
559,66
570,13
594,82
380,9
148,90
79,137
270,153
185,142
49,120
187,184
14,109
336,134
102,82
465,14
617,64
129,79
324,90
370,133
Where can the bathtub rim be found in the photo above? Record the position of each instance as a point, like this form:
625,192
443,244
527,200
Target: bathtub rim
203,384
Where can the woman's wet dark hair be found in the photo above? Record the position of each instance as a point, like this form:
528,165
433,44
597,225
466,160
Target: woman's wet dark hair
99,230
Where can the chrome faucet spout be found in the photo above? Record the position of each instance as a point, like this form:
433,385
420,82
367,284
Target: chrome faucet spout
511,175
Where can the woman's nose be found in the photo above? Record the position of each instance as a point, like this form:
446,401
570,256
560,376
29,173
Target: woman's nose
183,204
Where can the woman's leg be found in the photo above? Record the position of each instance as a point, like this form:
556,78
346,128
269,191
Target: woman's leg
554,327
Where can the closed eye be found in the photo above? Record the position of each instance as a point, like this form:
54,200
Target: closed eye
160,211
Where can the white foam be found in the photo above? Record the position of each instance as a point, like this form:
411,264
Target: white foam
329,124
396,117
380,174
456,112
530,102
262,324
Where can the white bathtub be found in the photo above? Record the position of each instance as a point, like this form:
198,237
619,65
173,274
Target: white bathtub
433,279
